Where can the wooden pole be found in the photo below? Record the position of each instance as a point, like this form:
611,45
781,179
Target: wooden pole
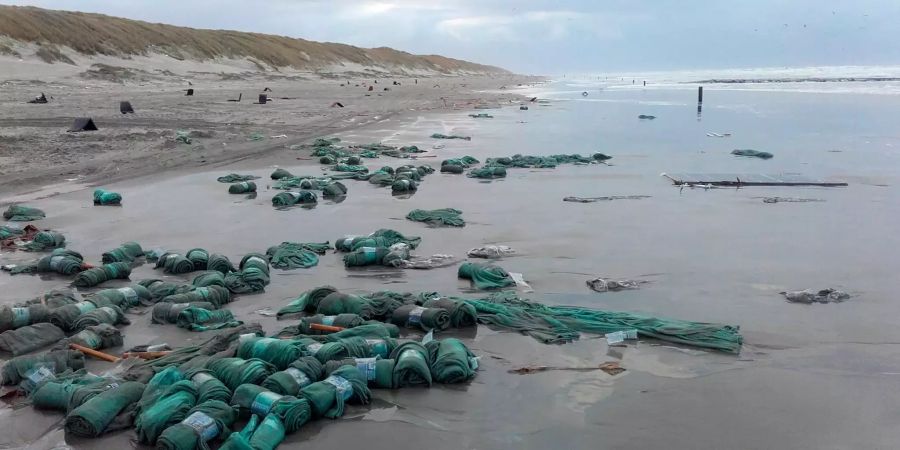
91,352
700,94
320,327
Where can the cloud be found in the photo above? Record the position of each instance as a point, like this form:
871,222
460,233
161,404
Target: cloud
528,25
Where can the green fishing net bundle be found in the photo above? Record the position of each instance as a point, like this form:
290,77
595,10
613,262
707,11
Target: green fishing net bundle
98,337
252,399
208,386
280,173
340,320
257,434
160,289
175,263
97,275
414,316
293,255
126,252
94,416
300,373
449,217
451,136
306,302
278,352
485,276
199,319
217,295
12,317
199,258
243,187
411,365
45,240
164,410
60,260
252,277
339,303
204,422
65,316
104,197
123,297
234,372
451,361
379,238
488,172
462,314
112,315
18,213
234,178
327,398
403,186
378,372
220,263
370,330
294,198
29,338
65,391
165,312
209,278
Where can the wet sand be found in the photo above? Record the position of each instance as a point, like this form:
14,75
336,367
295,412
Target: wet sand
809,376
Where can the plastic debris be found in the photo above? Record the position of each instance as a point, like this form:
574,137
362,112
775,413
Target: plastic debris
810,296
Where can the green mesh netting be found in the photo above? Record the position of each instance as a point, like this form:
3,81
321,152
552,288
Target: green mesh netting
414,316
112,315
403,186
18,213
411,365
104,197
379,373
340,320
243,187
451,136
60,260
65,316
199,319
294,198
208,386
335,189
209,278
485,276
252,399
123,297
165,312
340,303
451,361
97,275
300,373
280,173
328,397
217,295
373,331
234,178
293,255
205,422
462,314
307,301
59,392
265,434
174,263
752,153
126,252
169,408
45,240
438,217
252,277
7,231
449,166
220,263
98,337
234,372
94,416
12,317
349,168
29,338
488,172
280,353
160,289
365,256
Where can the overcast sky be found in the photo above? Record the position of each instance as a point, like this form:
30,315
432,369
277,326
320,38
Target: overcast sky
562,36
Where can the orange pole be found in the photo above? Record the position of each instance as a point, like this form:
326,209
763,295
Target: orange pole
320,327
99,355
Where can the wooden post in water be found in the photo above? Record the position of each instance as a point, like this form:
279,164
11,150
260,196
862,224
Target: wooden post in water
700,94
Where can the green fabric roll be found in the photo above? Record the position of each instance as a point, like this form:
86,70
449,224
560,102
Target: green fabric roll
352,347
209,278
485,276
234,372
95,276
257,435
217,295
165,312
452,136
220,263
7,231
350,168
462,314
64,317
280,353
370,330
199,319
328,160
411,365
174,263
253,276
488,172
14,317
60,260
438,217
18,213
452,168
307,301
366,256
328,397
335,189
160,289
402,186
243,187
170,408
251,399
98,337
59,394
126,252
234,178
52,299
451,361
294,198
352,160
393,237
45,240
340,303
291,255
205,422
280,173
199,258
93,417
752,153
379,373
413,316
124,297
104,197
30,338
340,320
112,315
208,386
299,374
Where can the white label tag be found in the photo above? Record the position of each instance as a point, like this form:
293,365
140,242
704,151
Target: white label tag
343,387
415,316
263,402
130,295
314,348
298,376
366,367
203,425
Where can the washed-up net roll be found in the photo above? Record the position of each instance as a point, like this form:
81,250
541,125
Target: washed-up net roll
112,315
98,337
340,303
257,434
488,172
411,365
93,417
220,263
234,178
199,319
294,198
306,302
414,316
57,392
209,278
485,276
280,173
217,295
123,297
328,397
243,187
12,317
208,386
366,256
278,352
299,374
45,240
379,373
174,263
30,338
95,276
199,258
204,422
169,408
370,330
253,276
353,347
234,372
402,186
18,213
252,399
64,317
462,314
160,289
449,217
61,261
126,252
451,361
104,197
393,237
52,299
165,312
292,255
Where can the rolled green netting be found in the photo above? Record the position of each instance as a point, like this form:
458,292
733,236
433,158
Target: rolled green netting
98,337
280,173
280,353
327,397
452,136
340,303
243,187
16,369
378,372
45,240
209,278
112,315
174,263
371,330
452,168
18,317
59,393
438,217
411,365
352,347
93,417
488,172
252,399
366,256
265,434
52,299
220,263
30,338
204,422
253,276
400,186
294,198
104,197
299,374
451,361
292,255
349,168
352,160
126,252
160,289
335,189
199,319
17,213
234,178
97,275
326,160
752,153
166,312
208,386
393,237
307,301
199,258
234,372
124,297
61,261
7,231
381,177
462,314
485,276
414,316
65,316
217,295
169,408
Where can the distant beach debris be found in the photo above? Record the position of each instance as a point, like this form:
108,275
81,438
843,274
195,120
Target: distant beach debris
750,153
718,135
604,198
646,117
337,104
39,100
450,136
810,296
236,99
747,179
481,116
584,94
523,108
793,80
189,92
83,124
790,200
126,108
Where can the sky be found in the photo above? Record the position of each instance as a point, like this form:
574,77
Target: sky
562,36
